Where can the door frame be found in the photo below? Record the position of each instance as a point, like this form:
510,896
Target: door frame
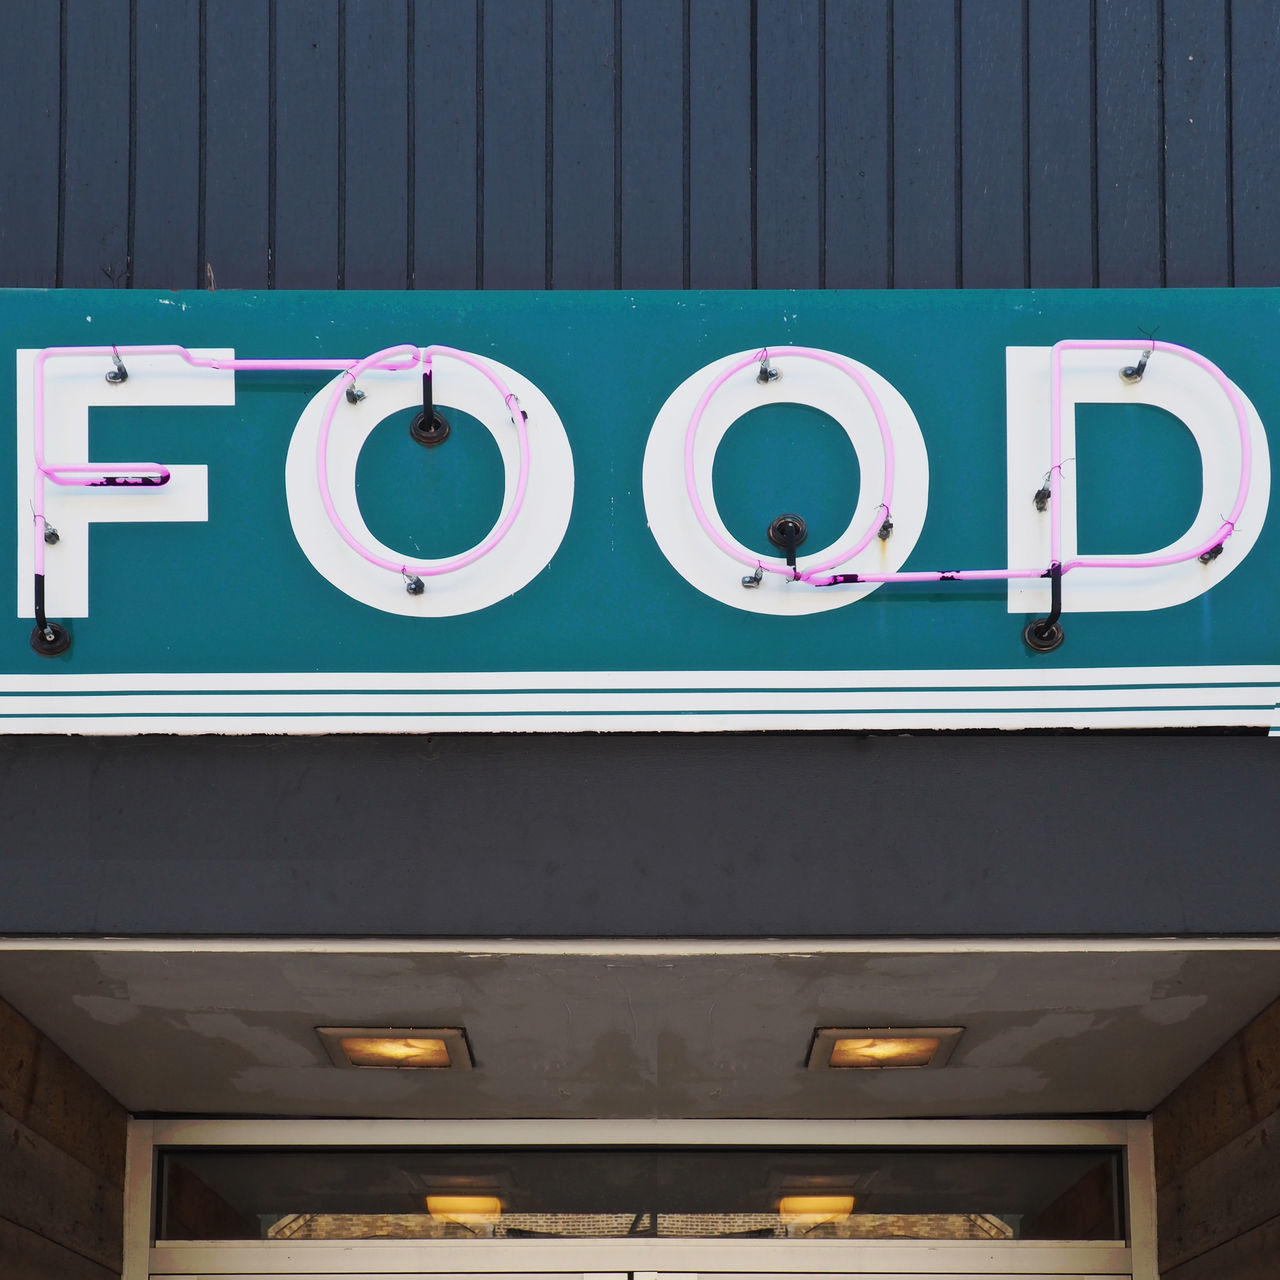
726,1260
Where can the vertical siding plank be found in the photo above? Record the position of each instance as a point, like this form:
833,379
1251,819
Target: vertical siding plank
924,144
1129,145
515,145
96,209
993,141
1061,135
788,145
652,73
237,143
166,212
377,142
720,231
1255,53
307,145
445,142
582,212
1198,236
29,93
858,132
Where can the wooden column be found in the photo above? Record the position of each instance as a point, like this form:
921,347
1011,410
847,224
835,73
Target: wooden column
62,1140
1217,1146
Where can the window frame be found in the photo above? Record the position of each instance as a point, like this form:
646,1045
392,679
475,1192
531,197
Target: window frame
726,1259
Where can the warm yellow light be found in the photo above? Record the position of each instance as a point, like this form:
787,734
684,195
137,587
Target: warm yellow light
815,1208
884,1051
465,1209
394,1051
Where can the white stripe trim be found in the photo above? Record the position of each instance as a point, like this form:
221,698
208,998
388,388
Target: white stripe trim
453,681
950,702
336,702
1230,715
480,948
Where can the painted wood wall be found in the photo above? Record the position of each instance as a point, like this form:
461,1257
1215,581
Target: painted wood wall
62,1140
522,144
1217,1140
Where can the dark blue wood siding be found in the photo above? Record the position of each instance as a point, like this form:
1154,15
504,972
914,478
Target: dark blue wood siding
1060,143
31,208
445,158
393,144
164,183
237,174
96,129
858,173
1130,116
993,143
307,158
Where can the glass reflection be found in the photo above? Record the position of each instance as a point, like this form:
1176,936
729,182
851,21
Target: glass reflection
592,1192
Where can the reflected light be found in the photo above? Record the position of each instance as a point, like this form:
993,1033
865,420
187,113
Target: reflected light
391,1051
465,1209
884,1051
815,1208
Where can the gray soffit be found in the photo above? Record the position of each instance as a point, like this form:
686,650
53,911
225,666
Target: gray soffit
617,1034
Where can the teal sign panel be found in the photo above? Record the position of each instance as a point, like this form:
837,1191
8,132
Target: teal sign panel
226,600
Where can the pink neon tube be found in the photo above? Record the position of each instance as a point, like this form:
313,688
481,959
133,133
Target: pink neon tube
392,359
851,371
499,531
1224,531
813,575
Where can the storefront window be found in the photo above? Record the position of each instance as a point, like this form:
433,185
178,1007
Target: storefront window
770,1193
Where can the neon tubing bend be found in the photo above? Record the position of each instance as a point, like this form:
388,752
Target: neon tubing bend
850,370
814,575
496,534
1224,530
396,359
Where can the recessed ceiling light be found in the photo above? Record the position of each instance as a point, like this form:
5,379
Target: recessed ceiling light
881,1048
465,1209
397,1048
815,1208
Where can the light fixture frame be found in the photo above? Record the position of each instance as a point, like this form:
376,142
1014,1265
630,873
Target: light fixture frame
455,1042
824,1041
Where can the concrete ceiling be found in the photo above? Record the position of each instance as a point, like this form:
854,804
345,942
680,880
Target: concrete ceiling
610,1033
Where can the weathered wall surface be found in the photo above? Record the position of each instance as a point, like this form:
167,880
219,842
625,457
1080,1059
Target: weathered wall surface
677,835
1217,1141
62,1140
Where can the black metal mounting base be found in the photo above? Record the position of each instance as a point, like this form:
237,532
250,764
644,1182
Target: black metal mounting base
1042,635
788,531
50,640
436,433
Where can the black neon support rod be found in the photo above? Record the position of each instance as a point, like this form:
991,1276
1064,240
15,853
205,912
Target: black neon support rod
430,427
48,639
1044,634
1055,595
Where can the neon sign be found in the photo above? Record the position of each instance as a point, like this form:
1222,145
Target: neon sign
681,449
672,511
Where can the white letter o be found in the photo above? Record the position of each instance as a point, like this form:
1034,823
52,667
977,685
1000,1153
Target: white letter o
525,550
822,386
